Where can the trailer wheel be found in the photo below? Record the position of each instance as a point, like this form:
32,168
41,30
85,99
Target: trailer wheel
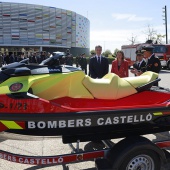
136,153
141,160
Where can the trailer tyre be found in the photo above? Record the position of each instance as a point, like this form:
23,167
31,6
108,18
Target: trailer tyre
142,160
136,153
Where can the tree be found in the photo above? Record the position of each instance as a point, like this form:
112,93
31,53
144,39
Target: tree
158,39
115,52
133,39
92,52
150,32
106,53
152,36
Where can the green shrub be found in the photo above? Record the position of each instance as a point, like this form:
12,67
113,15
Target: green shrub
110,59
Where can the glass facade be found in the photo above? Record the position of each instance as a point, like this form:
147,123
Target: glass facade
36,25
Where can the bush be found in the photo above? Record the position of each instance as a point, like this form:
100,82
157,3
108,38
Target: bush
110,59
107,53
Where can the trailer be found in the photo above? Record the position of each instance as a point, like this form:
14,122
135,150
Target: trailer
131,153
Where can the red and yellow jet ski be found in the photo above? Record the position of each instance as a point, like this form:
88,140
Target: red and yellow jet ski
59,100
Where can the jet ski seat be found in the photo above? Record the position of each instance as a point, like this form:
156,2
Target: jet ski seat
142,79
111,86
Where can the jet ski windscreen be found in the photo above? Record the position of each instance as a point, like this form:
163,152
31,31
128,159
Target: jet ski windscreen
54,60
3,77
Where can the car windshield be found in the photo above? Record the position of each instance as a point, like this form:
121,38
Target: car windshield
159,49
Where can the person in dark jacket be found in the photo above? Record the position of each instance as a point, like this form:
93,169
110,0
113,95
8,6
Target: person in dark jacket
77,60
140,64
34,58
6,59
98,65
21,57
11,58
69,58
83,62
16,58
153,63
1,60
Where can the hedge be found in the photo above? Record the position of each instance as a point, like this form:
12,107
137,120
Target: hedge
110,59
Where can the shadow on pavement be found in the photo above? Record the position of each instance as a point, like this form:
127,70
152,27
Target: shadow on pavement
65,167
2,140
91,146
164,71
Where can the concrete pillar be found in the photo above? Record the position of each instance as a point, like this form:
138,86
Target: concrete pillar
41,48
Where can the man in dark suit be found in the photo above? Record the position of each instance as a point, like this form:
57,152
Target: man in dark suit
140,63
98,65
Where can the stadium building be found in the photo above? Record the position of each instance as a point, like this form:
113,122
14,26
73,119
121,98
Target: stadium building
34,28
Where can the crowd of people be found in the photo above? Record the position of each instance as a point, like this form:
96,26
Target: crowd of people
98,64
34,57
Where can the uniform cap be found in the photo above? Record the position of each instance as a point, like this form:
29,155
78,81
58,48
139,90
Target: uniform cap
147,48
139,52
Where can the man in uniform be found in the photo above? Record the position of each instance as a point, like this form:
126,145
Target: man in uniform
140,63
152,64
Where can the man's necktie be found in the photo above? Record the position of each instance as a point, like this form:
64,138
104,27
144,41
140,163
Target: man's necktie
138,65
98,59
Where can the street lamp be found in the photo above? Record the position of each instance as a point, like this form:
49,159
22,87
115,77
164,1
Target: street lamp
104,46
165,18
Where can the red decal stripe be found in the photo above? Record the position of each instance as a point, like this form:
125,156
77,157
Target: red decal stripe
163,144
46,160
22,124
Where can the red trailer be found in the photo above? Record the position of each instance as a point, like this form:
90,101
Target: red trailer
131,153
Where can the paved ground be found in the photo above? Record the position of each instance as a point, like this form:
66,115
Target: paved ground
55,147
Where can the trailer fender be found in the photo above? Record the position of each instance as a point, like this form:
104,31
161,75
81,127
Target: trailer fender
136,143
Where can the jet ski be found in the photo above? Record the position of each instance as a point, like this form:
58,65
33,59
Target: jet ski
52,99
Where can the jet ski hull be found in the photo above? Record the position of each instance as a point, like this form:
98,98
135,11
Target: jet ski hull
86,119
51,99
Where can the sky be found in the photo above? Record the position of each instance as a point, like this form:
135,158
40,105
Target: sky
113,23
